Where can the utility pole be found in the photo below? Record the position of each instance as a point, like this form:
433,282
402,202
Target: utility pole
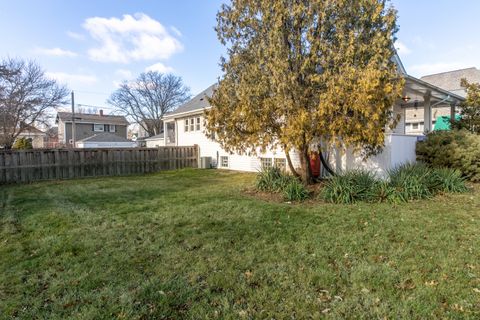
73,120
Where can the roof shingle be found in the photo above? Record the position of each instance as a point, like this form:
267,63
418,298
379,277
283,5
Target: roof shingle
93,118
450,80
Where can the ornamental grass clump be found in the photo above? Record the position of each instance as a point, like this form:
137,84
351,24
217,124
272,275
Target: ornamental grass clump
412,182
351,186
273,179
295,190
449,180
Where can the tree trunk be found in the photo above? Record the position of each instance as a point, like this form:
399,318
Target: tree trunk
290,164
306,173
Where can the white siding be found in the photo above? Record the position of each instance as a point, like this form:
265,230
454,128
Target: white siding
155,143
399,149
211,148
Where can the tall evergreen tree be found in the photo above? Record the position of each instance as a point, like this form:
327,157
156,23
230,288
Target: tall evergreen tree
302,70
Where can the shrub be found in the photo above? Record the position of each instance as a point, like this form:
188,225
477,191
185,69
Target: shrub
449,180
412,181
452,149
295,190
350,187
22,144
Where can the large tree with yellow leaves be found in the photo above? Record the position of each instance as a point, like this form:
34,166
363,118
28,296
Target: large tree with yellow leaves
302,70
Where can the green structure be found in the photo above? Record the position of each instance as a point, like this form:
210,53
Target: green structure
443,122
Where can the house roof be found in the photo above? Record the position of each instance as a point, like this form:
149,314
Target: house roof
451,80
157,137
92,118
105,137
198,102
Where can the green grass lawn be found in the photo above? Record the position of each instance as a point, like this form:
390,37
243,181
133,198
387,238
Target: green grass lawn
194,245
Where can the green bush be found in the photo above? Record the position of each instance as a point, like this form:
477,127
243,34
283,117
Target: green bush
350,187
412,181
452,149
22,144
295,190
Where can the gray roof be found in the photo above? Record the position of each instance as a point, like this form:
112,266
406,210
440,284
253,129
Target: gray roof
105,137
198,102
450,80
158,136
93,118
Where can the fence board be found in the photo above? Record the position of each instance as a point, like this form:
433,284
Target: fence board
21,166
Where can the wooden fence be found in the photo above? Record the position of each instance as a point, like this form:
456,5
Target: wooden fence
19,166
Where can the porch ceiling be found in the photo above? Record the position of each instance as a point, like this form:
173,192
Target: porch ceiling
417,89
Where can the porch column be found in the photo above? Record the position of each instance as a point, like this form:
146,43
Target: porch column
427,113
452,111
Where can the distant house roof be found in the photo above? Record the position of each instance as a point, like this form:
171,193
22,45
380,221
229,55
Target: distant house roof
198,102
450,80
92,118
105,137
157,137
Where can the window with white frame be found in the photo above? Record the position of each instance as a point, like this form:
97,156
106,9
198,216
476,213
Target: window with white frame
224,161
192,124
98,127
266,162
280,163
186,125
197,124
112,128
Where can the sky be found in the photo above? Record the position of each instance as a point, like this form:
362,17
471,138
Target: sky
92,46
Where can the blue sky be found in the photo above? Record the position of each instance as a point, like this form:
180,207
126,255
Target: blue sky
93,45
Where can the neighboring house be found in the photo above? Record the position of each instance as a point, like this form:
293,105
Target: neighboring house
155,141
185,126
87,125
106,140
449,81
142,133
36,136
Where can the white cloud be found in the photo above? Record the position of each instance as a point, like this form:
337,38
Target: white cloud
402,48
71,79
76,36
124,73
130,38
56,52
159,67
432,68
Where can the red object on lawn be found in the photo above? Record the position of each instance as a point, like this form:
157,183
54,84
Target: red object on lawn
315,164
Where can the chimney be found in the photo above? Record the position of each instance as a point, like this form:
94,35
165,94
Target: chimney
101,112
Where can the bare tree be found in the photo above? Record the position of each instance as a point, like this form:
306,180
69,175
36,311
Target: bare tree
26,97
149,97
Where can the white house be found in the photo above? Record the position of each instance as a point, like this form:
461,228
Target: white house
185,126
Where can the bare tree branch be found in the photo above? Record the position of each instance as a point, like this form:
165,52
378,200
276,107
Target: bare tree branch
26,97
149,97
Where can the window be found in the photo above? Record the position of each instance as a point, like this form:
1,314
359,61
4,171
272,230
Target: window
280,163
186,125
414,126
197,126
192,124
112,128
98,127
266,162
224,161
